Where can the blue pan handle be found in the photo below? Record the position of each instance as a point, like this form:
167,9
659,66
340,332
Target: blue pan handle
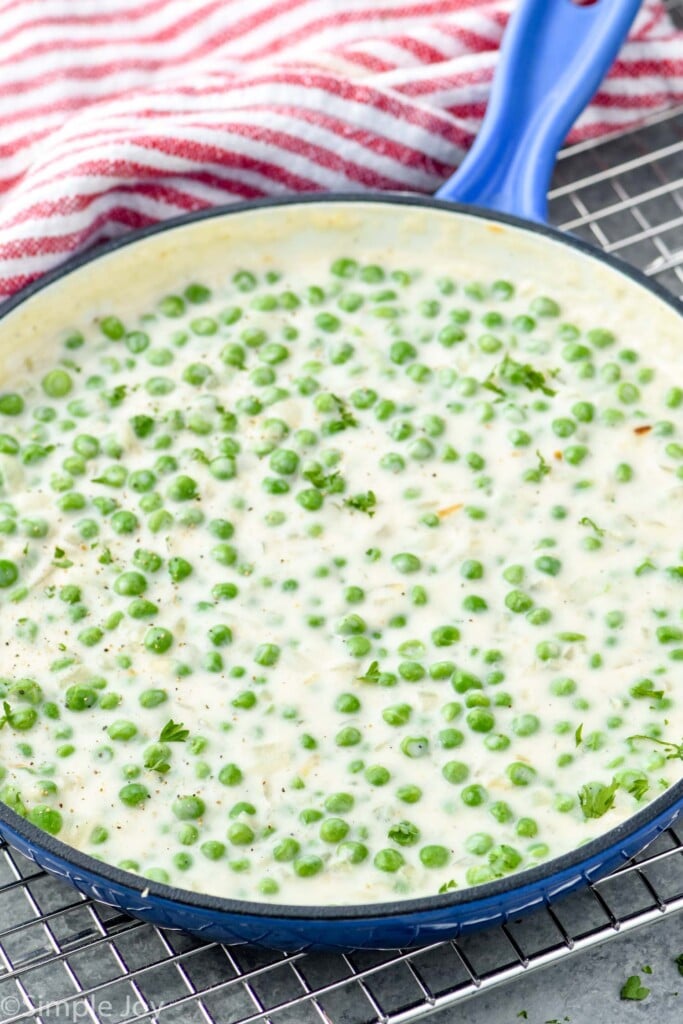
553,57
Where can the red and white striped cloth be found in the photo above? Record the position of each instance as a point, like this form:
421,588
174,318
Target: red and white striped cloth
115,114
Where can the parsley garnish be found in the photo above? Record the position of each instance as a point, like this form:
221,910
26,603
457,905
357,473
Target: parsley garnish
7,717
679,963
523,375
60,559
675,750
447,886
347,418
578,735
331,483
488,383
596,799
646,566
155,761
543,466
589,522
106,557
638,788
632,989
372,675
646,688
363,502
115,396
173,732
675,572
646,969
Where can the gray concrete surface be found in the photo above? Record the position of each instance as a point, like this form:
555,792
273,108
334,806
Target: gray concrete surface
585,988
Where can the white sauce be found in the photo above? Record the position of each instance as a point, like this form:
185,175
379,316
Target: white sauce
635,522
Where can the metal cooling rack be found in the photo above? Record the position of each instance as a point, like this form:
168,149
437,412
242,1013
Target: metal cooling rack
65,958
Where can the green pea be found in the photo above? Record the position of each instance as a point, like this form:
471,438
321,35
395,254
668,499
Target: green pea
388,860
504,858
47,818
212,849
22,719
11,404
548,565
267,655
352,852
526,725
415,746
183,488
230,775
409,794
130,584
349,736
188,808
307,866
527,828
479,843
122,730
57,384
158,640
501,811
79,698
397,714
377,775
473,796
133,794
455,772
333,830
480,720
179,569
240,834
9,573
406,562
520,774
152,698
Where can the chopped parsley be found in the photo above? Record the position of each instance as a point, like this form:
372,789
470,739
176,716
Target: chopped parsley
589,522
60,559
596,799
632,989
646,688
674,750
155,761
6,719
330,483
523,375
543,465
363,502
346,417
637,788
173,732
372,675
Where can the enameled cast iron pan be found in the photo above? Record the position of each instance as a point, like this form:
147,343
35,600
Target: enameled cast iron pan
553,58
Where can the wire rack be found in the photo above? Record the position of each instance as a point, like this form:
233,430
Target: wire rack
65,958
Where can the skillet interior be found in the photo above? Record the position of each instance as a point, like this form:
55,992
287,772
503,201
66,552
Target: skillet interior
218,242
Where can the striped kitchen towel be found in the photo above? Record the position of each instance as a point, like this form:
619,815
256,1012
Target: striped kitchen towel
115,114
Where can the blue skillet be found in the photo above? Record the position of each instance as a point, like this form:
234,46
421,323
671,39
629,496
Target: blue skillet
554,55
